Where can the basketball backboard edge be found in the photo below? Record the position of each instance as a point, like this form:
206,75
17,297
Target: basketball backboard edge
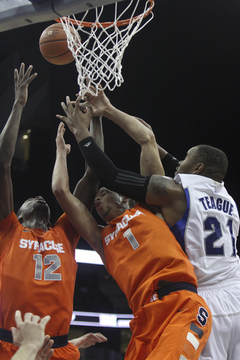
18,13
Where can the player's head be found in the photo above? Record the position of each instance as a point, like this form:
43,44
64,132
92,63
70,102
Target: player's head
34,211
110,204
204,160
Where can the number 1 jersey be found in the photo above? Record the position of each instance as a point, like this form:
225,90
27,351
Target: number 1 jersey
142,255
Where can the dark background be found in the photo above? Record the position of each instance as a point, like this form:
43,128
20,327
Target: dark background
181,75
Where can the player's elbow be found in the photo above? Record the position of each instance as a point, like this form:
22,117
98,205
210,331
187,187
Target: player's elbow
57,189
148,138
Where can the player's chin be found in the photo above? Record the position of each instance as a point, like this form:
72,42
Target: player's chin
103,214
100,212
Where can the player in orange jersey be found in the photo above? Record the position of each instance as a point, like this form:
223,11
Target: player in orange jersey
201,214
37,262
171,321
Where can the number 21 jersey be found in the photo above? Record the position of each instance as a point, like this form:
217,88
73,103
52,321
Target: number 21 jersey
208,229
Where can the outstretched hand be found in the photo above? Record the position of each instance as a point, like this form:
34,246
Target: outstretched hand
60,142
31,330
99,103
77,117
21,80
88,340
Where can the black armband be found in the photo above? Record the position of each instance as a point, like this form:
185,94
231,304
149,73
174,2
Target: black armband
170,163
121,181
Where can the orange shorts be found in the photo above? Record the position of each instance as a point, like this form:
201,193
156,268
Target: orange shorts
174,328
68,352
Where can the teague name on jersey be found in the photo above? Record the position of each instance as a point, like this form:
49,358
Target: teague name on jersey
209,202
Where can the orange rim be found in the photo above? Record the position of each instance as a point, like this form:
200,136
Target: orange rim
107,24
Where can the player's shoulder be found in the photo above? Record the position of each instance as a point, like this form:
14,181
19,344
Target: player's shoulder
11,219
63,224
62,221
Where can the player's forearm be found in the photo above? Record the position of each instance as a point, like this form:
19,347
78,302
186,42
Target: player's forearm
80,133
8,137
134,128
26,352
60,179
96,130
86,188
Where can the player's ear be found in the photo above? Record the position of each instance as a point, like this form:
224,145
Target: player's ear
125,199
198,168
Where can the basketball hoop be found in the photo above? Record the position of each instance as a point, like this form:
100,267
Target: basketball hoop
99,55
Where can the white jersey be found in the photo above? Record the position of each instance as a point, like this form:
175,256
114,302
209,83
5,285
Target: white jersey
208,230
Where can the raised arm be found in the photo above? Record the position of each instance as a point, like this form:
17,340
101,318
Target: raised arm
154,190
150,162
8,138
87,186
77,213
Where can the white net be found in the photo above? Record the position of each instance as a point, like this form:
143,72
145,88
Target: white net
98,56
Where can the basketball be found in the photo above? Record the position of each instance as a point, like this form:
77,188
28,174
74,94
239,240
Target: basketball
53,45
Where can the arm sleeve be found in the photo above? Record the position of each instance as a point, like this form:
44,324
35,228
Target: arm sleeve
124,182
170,164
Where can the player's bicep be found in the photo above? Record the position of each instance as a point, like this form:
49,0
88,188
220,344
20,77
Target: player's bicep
163,191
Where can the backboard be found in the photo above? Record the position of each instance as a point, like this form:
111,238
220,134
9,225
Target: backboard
18,13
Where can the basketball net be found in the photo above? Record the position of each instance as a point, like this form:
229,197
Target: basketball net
99,56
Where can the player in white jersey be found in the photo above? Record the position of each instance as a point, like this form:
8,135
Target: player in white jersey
197,208
208,232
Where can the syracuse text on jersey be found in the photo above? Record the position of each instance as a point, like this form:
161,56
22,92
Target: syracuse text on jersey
121,225
43,246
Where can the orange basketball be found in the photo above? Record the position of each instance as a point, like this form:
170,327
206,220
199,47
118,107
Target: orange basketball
53,45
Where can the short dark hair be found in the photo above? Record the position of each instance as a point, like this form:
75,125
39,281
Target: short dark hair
215,161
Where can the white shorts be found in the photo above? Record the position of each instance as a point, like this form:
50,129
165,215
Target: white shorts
224,302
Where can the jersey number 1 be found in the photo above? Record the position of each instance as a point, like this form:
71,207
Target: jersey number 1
131,238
